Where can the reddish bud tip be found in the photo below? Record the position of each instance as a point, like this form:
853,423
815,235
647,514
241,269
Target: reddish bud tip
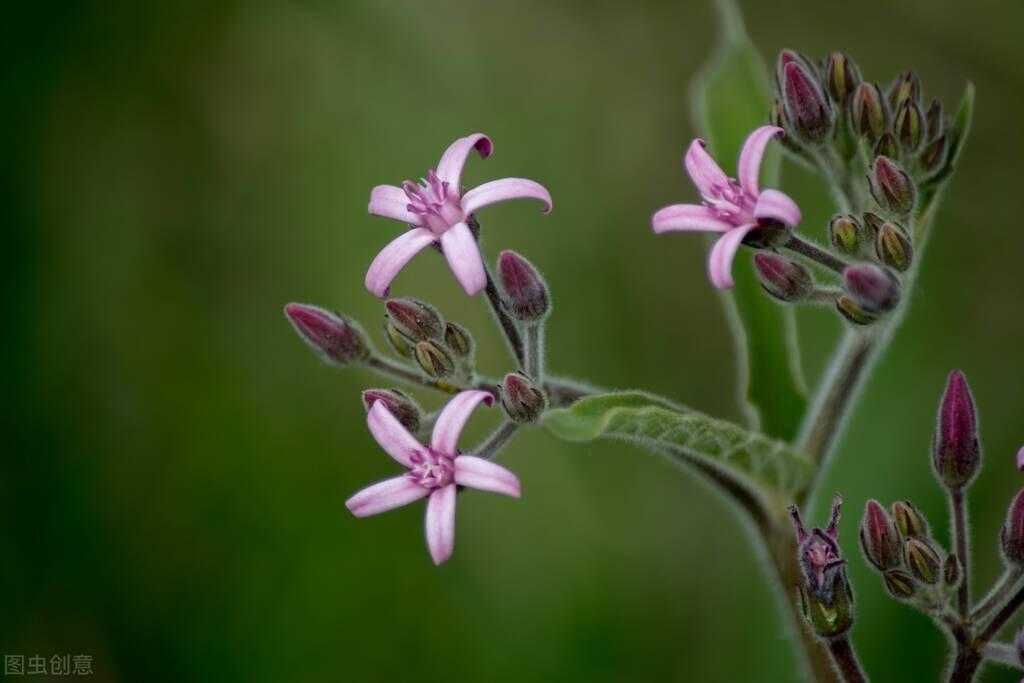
521,399
868,115
525,294
878,537
783,278
892,187
806,106
406,410
875,290
334,338
416,320
956,454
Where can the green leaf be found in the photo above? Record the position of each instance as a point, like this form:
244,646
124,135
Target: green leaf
769,469
731,99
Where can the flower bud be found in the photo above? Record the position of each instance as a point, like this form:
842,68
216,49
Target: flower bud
842,76
806,106
952,571
459,340
887,146
398,342
899,584
825,595
933,119
892,187
525,293
852,312
1020,460
909,521
933,156
956,454
433,359
893,247
868,115
875,290
922,560
873,224
844,232
909,126
522,400
1013,532
334,338
406,410
416,320
787,57
782,278
906,88
878,537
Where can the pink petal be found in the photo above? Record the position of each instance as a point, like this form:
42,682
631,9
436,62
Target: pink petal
453,418
386,495
391,202
449,168
393,258
777,206
485,475
441,523
463,256
503,190
751,156
1020,459
722,254
392,436
705,173
688,217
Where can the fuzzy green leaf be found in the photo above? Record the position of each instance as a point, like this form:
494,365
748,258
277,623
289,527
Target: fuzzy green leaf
731,99
765,467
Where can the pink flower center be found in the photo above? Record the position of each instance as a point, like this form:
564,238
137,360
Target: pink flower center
821,556
431,469
435,202
730,203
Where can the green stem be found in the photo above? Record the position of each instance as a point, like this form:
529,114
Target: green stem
508,325
846,660
958,510
815,253
998,594
533,362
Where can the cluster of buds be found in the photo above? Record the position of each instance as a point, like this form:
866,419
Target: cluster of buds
826,598
900,547
416,330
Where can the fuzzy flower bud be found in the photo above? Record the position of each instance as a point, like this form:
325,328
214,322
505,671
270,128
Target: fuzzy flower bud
952,572
459,340
842,76
416,320
397,341
1012,536
398,404
893,247
825,595
844,232
336,339
922,560
525,293
900,585
868,115
875,290
956,454
906,88
933,156
522,400
433,360
808,110
852,312
933,118
887,146
909,521
878,537
909,126
783,278
892,187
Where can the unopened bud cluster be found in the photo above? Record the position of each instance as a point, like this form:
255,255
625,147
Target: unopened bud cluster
417,330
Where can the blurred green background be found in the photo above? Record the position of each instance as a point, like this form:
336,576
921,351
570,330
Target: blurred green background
177,460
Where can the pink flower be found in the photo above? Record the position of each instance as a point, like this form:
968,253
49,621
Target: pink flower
437,210
435,471
729,208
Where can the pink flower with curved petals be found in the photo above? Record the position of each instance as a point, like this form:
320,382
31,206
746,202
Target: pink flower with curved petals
437,210
730,208
435,471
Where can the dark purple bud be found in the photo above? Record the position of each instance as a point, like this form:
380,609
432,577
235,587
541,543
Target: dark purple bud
852,312
909,521
909,126
398,404
893,247
808,110
887,146
845,234
1013,532
952,572
842,76
892,187
922,560
521,399
415,320
956,454
459,340
934,119
899,584
825,595
433,360
878,537
787,57
933,156
868,115
906,88
336,339
875,290
525,293
783,278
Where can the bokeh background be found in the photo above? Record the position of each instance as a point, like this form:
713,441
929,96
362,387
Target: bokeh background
177,461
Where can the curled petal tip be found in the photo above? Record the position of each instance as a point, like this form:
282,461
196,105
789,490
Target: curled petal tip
1020,459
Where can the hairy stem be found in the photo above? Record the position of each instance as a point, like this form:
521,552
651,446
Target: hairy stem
496,441
846,660
999,620
959,513
1002,653
410,376
563,392
965,666
815,253
533,362
508,325
998,594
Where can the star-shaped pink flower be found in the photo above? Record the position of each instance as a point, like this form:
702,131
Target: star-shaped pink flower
435,471
729,208
437,210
